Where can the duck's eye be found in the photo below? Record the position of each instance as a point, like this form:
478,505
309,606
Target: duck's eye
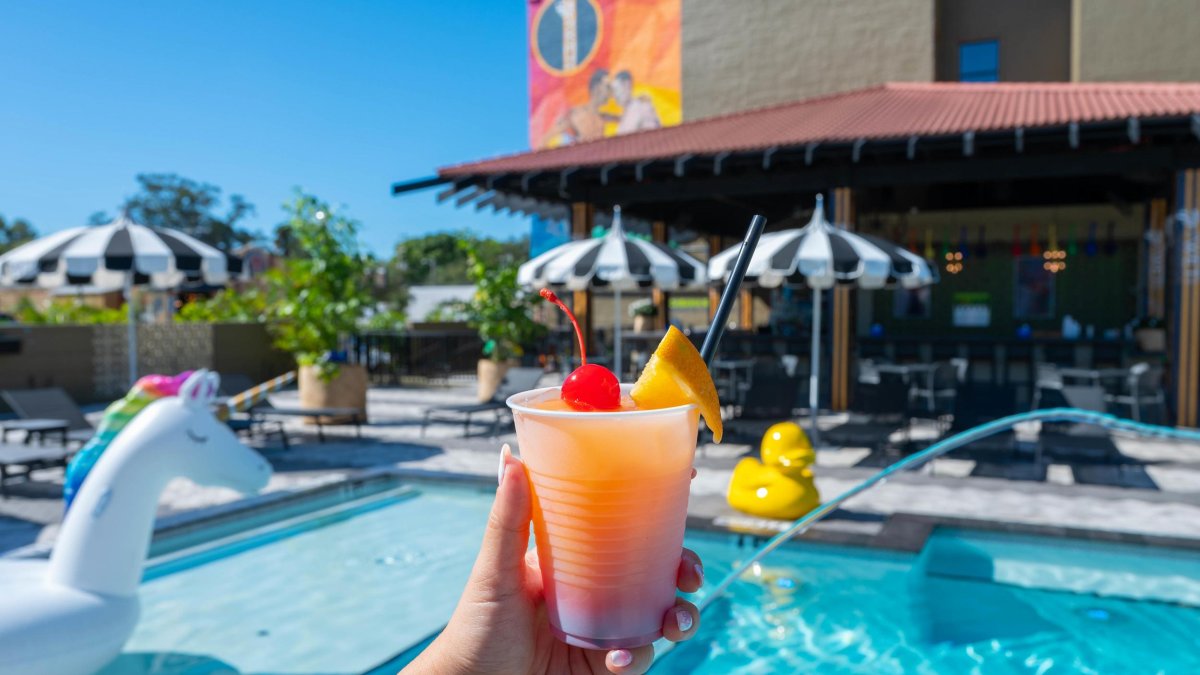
196,437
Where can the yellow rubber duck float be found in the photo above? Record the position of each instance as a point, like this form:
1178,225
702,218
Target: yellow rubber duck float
781,485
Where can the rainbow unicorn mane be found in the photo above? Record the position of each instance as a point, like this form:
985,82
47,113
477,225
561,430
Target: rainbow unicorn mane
146,390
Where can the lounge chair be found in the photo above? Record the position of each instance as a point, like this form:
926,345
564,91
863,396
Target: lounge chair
261,413
234,384
28,458
515,381
50,403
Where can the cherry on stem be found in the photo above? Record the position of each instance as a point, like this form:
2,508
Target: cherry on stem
591,386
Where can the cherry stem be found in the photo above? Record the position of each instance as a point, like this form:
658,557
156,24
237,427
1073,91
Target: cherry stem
551,297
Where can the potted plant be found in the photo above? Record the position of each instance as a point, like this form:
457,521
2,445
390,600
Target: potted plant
643,312
502,312
1150,333
315,298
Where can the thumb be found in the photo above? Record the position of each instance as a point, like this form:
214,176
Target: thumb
500,568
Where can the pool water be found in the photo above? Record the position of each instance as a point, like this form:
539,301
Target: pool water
826,609
358,587
334,592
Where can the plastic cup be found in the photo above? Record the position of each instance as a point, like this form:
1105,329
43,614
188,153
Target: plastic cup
610,494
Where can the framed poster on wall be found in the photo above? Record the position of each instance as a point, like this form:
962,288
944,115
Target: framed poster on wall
1033,295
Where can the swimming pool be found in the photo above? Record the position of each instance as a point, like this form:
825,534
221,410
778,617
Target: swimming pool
357,583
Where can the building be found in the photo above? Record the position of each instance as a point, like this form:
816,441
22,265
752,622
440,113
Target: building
739,56
1046,156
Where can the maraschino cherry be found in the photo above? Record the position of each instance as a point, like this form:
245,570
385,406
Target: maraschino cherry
590,387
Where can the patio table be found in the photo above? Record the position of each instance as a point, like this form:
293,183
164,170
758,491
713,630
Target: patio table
909,372
1094,376
733,376
35,428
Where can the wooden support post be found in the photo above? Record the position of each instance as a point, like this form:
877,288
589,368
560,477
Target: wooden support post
1156,259
583,218
660,298
746,309
1184,321
714,292
842,336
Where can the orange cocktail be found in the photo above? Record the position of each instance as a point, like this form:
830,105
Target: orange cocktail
610,493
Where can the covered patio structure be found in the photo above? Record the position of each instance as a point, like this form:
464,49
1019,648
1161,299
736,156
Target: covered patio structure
985,179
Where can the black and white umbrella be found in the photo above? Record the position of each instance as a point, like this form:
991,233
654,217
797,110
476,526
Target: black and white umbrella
614,261
822,256
120,254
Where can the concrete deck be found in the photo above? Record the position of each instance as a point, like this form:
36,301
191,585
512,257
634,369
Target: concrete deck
1152,487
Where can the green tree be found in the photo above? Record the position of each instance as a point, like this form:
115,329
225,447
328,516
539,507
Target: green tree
438,259
248,305
317,295
500,310
15,232
68,311
171,201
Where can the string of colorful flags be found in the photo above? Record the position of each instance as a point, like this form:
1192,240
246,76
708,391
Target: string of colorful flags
1054,255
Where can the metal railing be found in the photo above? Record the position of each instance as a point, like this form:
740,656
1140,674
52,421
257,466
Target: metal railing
396,357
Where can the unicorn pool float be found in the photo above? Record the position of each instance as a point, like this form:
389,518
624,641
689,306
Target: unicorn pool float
71,614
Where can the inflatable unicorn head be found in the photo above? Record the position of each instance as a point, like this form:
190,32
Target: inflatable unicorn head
72,614
115,507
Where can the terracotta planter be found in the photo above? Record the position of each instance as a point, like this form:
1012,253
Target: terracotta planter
1151,339
346,390
490,374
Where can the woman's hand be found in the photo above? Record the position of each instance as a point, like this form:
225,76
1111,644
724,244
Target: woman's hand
500,624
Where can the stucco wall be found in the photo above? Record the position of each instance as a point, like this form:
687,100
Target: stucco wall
1119,40
89,362
741,55
1034,37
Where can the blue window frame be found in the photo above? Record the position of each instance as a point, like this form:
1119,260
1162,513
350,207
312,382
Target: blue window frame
979,61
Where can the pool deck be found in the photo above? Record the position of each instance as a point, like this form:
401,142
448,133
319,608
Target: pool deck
1153,492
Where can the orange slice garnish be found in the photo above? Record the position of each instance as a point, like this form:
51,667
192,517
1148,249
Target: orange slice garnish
676,375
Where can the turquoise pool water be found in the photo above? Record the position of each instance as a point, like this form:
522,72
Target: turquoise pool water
352,587
824,609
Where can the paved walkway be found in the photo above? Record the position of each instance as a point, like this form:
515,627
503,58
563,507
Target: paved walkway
1155,490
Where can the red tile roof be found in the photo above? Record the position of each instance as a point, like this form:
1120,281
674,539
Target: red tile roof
888,111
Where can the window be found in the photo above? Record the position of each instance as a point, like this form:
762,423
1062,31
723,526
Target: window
979,61
1034,289
912,303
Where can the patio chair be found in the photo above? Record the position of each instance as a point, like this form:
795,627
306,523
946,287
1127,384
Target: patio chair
244,423
1048,378
1078,439
938,392
879,394
50,403
772,394
29,458
1143,386
516,380
263,412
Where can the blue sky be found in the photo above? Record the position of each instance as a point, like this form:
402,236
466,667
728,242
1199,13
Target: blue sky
340,98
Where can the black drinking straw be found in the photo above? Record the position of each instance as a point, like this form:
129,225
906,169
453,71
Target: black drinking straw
717,329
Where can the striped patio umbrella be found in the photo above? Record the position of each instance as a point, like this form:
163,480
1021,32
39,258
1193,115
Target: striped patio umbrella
615,261
821,256
120,254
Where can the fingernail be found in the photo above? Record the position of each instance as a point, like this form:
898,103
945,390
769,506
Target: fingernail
505,453
623,657
699,571
683,619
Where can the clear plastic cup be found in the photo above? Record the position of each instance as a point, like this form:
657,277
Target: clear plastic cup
610,494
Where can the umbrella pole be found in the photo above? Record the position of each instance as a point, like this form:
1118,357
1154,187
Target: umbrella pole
617,365
814,368
131,329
